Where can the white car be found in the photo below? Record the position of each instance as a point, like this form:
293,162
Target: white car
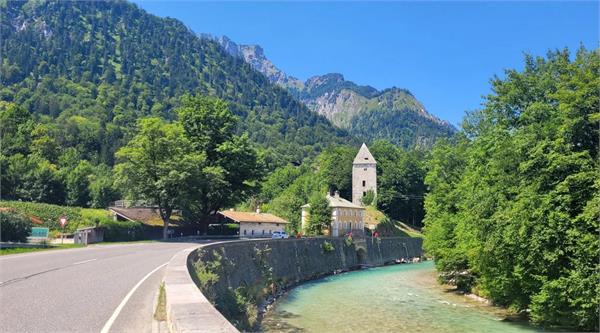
279,234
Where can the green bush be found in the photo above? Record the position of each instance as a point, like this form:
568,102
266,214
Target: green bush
50,214
120,231
239,307
228,229
327,246
14,227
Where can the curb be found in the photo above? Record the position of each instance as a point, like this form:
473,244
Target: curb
188,310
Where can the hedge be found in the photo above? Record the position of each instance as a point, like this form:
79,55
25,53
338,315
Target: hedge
50,214
121,231
14,227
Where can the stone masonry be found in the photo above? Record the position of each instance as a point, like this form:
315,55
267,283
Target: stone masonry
364,174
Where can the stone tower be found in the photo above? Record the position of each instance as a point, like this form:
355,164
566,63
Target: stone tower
364,174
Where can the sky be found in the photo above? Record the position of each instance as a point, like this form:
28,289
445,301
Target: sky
444,52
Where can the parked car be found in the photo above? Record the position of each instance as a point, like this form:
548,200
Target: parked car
280,234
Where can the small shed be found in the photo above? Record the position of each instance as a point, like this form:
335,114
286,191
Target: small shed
88,235
255,224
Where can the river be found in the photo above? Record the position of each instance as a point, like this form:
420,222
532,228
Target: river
399,298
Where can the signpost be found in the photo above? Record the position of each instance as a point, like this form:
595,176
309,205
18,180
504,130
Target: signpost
63,221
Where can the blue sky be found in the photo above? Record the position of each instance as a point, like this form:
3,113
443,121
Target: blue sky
444,52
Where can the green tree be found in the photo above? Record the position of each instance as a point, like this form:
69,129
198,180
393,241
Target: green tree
515,202
369,198
231,167
78,183
102,188
335,169
400,182
320,215
157,165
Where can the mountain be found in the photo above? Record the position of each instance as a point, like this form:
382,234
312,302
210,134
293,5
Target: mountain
393,114
87,70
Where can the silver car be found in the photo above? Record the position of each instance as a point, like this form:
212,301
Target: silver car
279,234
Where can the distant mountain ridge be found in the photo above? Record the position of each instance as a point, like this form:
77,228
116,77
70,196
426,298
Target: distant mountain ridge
370,114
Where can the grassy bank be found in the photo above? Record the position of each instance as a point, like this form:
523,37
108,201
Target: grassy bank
18,250
387,226
49,214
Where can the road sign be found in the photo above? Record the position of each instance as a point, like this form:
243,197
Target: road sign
63,221
39,232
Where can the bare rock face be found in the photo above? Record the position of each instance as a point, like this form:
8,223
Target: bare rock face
348,105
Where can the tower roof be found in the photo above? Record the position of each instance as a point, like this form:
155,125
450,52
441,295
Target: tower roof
364,156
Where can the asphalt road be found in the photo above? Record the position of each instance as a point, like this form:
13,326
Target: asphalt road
78,290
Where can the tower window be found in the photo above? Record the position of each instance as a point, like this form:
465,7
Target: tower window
364,183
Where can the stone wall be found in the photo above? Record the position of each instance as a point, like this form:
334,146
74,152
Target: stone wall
263,268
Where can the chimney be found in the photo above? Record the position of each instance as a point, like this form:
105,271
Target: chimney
336,194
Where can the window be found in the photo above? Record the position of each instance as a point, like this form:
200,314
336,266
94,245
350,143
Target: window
364,183
245,232
253,231
366,158
263,232
364,193
365,169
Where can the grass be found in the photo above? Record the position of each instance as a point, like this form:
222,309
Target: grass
160,313
375,216
49,214
18,250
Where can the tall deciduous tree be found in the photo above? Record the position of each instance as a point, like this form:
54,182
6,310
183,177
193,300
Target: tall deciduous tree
335,169
320,214
231,167
515,203
157,165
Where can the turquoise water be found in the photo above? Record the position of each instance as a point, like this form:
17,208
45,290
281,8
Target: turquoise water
399,298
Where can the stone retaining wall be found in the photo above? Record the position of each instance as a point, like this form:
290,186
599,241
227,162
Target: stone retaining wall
259,270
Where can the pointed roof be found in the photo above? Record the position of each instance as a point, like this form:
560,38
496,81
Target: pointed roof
364,156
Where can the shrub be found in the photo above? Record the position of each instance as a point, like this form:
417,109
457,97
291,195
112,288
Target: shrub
50,214
348,240
327,246
369,199
119,231
14,227
227,229
238,306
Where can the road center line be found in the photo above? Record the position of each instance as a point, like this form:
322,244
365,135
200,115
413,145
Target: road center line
82,262
115,314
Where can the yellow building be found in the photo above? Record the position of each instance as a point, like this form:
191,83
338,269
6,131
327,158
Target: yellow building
345,216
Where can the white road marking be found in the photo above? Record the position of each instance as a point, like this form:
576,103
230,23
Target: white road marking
115,314
82,262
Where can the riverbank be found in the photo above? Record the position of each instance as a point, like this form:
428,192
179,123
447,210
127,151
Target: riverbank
398,298
241,278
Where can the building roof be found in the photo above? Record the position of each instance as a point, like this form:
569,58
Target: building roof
149,216
338,202
250,217
364,156
335,201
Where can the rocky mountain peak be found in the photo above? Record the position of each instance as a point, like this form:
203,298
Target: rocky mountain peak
347,104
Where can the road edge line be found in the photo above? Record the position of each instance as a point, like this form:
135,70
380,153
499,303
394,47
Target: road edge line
119,308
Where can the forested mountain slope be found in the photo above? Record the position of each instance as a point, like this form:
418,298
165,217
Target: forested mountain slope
89,70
